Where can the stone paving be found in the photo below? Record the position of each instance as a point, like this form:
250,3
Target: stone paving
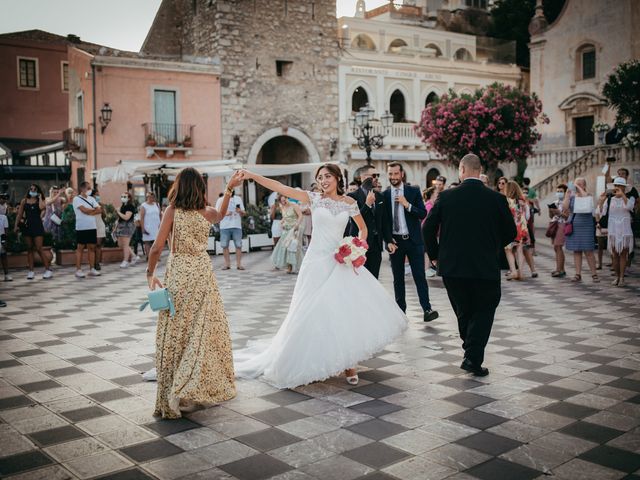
562,400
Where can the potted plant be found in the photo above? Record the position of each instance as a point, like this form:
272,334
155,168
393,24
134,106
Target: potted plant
187,142
601,130
151,141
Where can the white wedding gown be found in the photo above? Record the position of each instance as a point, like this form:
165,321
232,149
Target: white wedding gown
336,319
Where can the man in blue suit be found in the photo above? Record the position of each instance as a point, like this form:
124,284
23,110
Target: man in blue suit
404,211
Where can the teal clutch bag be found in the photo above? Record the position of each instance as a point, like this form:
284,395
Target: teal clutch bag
159,300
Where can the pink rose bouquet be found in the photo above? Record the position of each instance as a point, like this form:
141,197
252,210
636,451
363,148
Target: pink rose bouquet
352,252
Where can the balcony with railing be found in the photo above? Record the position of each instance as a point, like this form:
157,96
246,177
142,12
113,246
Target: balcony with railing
168,136
74,139
398,136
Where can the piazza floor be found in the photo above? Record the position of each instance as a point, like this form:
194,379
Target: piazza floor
562,400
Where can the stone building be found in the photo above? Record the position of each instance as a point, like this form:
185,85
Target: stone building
399,58
278,63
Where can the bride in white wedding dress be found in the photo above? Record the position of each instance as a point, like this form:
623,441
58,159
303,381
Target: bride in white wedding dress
337,317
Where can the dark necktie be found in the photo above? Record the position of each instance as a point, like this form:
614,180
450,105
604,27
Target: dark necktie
396,211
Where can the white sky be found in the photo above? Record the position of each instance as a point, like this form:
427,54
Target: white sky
121,24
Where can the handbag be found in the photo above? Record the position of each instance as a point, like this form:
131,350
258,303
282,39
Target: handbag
552,230
604,219
568,228
159,300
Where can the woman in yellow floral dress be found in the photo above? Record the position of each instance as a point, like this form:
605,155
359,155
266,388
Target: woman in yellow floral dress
193,348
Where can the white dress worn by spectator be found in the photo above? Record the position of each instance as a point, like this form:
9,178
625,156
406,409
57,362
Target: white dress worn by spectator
151,222
620,235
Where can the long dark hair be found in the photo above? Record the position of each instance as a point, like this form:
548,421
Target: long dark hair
335,171
188,191
38,189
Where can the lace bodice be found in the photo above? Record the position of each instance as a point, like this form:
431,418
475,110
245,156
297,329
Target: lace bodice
334,206
191,232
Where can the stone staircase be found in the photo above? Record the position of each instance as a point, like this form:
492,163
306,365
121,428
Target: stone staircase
588,165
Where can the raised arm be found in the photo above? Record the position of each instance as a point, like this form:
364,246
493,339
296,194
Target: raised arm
213,215
276,186
19,215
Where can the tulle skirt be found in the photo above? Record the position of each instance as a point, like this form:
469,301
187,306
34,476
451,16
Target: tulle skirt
336,319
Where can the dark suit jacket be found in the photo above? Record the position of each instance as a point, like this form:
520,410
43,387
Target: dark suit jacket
373,218
475,224
413,217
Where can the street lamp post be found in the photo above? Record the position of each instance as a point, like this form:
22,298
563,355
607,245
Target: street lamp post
361,126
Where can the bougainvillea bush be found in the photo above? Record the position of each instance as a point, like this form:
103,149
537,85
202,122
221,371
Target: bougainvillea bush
497,123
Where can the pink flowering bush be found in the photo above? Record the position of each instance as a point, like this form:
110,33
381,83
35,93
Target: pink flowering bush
497,123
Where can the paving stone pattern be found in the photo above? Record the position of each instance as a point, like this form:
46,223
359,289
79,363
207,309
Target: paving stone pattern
562,400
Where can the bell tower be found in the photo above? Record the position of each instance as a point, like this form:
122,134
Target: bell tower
361,9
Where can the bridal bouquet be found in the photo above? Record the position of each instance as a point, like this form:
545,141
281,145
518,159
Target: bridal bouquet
351,251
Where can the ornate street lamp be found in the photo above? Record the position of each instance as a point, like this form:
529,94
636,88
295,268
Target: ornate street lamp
105,117
360,125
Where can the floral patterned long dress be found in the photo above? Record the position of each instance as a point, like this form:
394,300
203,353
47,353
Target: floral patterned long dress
519,211
193,348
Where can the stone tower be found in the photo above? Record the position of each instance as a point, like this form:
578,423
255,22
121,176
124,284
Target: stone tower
279,71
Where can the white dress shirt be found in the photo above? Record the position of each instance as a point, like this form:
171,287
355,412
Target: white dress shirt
398,192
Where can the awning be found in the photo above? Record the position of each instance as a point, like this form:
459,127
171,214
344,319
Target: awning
129,170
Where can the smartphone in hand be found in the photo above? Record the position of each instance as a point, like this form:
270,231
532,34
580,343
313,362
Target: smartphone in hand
571,186
367,185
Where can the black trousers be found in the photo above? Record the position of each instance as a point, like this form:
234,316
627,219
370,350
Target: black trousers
474,302
374,259
415,254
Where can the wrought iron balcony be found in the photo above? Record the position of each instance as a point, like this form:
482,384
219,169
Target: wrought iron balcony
168,135
74,139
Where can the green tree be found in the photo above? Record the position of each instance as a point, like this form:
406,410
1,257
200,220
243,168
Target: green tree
622,92
511,22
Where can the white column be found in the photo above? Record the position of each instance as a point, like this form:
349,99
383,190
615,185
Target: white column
380,100
417,100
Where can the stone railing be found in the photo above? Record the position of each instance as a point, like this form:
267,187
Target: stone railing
399,135
583,165
556,158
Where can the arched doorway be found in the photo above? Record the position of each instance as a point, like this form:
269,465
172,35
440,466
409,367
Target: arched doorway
397,107
257,156
359,99
281,150
432,97
432,174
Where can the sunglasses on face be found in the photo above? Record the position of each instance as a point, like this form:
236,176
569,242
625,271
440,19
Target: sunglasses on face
375,175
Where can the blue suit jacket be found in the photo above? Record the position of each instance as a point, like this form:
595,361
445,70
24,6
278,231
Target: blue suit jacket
413,216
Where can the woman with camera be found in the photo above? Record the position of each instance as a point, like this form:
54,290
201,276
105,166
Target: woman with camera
618,208
580,228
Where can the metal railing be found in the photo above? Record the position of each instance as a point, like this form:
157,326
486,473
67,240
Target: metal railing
75,139
168,135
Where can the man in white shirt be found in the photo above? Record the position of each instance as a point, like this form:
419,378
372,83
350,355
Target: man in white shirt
231,228
405,210
86,208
